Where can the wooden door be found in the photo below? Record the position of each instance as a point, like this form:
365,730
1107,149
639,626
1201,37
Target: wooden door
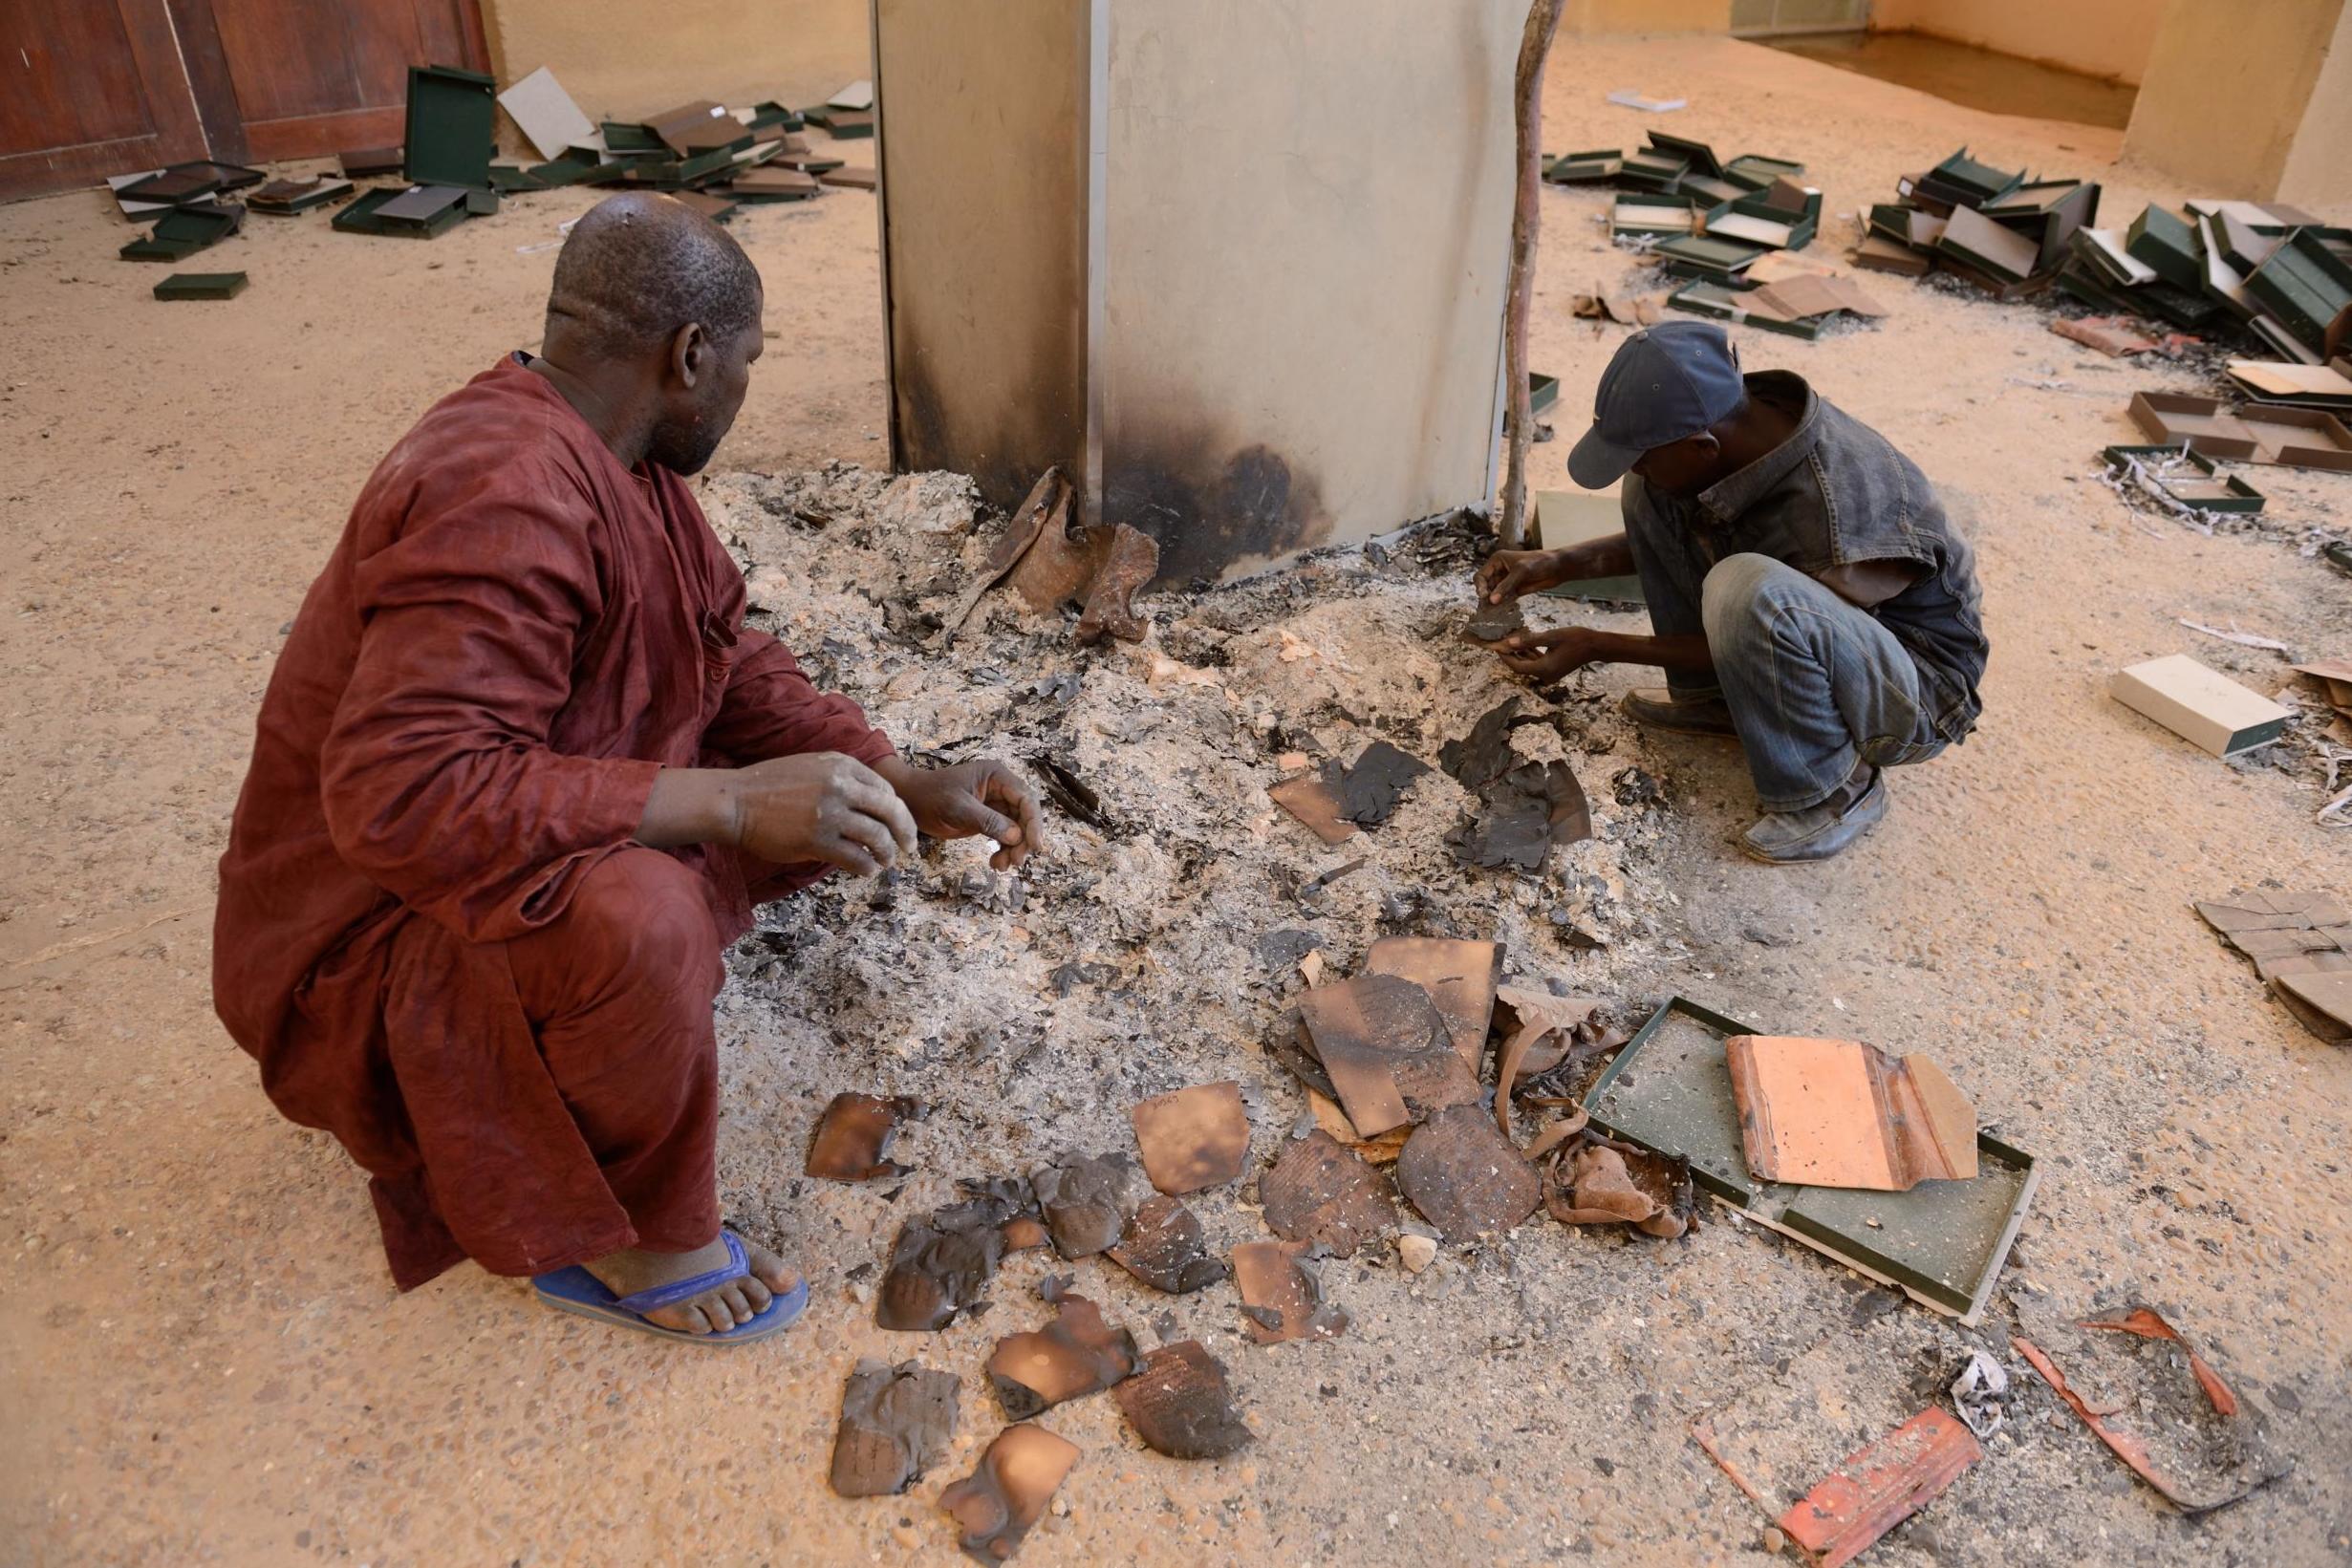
90,88
315,76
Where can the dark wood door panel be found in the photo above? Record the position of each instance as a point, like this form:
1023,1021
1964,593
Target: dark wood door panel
319,76
74,79
90,88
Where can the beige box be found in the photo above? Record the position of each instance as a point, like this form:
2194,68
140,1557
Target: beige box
2200,705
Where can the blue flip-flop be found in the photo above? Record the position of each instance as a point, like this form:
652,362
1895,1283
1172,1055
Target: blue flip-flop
577,1290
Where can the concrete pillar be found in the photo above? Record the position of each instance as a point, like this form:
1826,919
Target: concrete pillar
2250,100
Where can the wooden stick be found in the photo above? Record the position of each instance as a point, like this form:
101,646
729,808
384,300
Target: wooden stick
1528,90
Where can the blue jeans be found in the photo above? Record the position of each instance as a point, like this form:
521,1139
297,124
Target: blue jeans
1815,684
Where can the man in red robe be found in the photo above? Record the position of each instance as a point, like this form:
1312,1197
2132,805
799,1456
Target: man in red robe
522,774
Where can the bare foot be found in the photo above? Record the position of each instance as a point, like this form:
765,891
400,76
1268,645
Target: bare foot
715,1311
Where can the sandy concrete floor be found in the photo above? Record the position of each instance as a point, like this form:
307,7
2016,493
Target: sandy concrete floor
203,1360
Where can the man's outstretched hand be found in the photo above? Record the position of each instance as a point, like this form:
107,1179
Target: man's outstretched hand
982,797
1547,655
1509,574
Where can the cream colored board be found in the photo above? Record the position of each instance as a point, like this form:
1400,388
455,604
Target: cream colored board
1303,241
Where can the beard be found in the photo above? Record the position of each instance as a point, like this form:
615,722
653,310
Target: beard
685,448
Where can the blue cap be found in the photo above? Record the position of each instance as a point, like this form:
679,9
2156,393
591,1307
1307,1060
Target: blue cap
1666,382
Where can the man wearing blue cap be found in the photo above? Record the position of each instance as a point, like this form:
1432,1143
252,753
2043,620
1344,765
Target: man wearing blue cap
1806,594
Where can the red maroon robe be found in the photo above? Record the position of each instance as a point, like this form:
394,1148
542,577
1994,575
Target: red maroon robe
513,637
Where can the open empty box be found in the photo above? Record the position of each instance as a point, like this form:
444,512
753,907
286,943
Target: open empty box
1942,1243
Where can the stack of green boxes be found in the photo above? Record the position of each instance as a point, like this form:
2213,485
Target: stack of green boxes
696,149
1685,189
2275,273
1997,228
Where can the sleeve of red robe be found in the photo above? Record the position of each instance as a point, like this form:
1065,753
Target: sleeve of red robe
437,781
771,709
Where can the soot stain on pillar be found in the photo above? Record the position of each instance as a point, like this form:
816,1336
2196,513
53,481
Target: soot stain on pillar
1211,505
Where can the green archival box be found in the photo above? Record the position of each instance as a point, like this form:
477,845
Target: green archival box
362,217
1942,1243
452,127
201,286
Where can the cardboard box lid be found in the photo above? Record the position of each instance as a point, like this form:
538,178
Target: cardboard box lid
2001,250
1697,155
2110,254
1719,255
421,204
452,127
2289,381
546,113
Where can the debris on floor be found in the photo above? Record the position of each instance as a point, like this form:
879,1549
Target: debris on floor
941,1264
1843,1113
1459,976
1372,786
2333,677
896,1424
1466,1177
1053,560
1522,814
1180,1404
1078,1353
995,1506
2180,479
1596,1181
1627,310
189,228
1164,1247
1317,1191
855,1134
2113,336
2159,1405
1087,1201
1880,1485
712,158
1282,1296
1387,1050
1980,1393
1193,1138
2301,947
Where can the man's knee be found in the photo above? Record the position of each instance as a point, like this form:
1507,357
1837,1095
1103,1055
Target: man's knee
639,920
1742,597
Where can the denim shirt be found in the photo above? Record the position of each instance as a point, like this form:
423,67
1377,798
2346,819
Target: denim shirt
1837,493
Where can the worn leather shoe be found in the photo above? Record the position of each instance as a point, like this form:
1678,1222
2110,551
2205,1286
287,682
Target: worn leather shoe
1659,709
1790,838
